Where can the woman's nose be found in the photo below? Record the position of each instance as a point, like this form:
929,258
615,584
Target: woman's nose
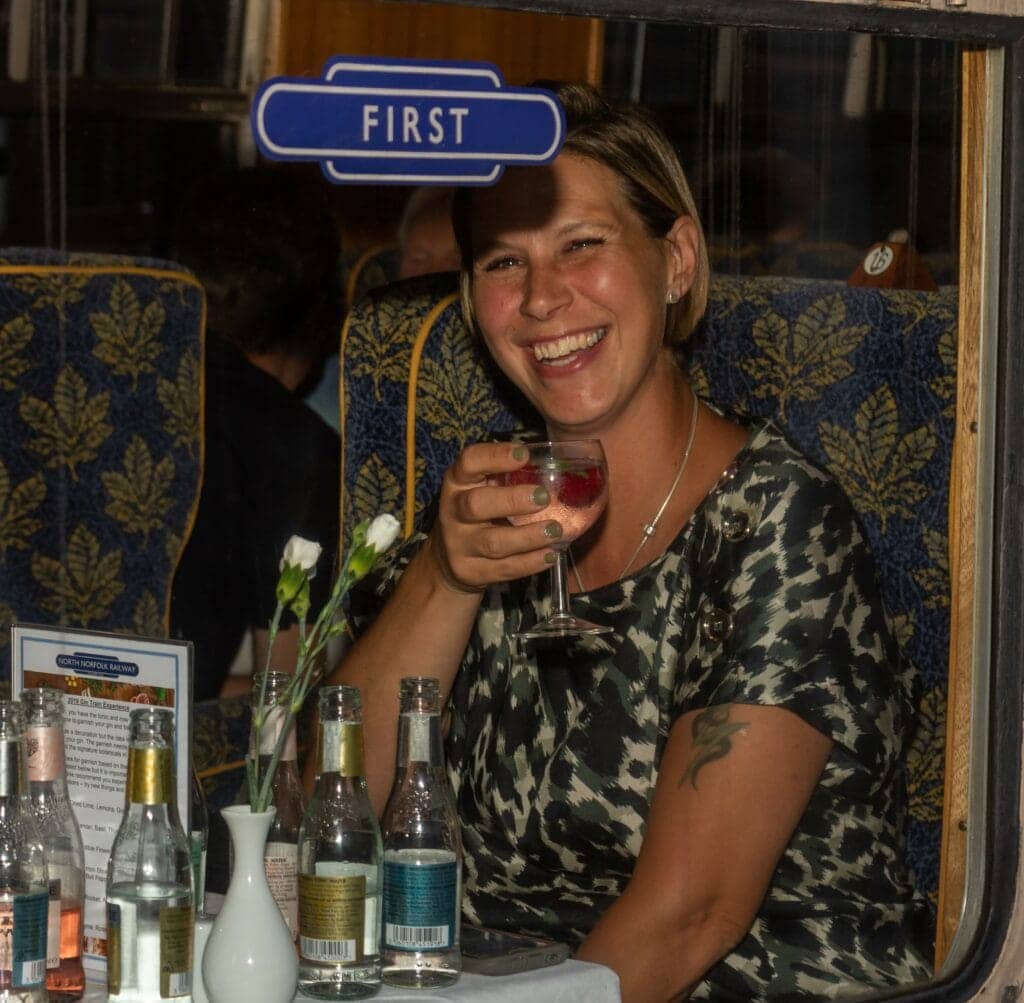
545,292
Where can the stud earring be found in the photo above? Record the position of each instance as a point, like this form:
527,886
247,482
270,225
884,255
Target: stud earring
672,297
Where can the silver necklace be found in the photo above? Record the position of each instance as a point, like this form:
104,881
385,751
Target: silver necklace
651,527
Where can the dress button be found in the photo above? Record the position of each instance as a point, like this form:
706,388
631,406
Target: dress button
715,624
728,475
736,526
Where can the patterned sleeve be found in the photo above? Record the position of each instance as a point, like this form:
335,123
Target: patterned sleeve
367,597
791,614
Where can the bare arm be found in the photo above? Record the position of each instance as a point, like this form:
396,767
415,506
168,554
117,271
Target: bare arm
425,625
732,786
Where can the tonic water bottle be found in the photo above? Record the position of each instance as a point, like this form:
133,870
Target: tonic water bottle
24,895
62,840
281,855
422,851
339,862
150,916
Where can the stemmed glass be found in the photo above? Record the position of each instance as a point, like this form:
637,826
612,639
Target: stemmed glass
575,475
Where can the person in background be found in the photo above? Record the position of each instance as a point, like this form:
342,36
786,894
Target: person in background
264,245
708,799
426,244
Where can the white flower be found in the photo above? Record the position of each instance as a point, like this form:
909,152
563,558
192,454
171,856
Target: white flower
300,553
382,532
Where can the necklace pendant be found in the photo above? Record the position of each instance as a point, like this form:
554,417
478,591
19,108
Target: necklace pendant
649,529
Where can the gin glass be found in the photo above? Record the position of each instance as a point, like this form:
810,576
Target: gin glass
575,475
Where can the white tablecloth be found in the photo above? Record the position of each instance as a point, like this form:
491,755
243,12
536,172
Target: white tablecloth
569,982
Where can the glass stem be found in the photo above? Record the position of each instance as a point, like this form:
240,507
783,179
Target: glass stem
560,586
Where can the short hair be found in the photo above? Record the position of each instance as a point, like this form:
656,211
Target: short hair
426,200
264,243
627,140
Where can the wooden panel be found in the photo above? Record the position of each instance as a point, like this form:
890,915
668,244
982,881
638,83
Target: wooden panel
525,46
973,158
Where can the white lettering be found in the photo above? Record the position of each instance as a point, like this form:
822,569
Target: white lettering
458,114
369,120
410,125
436,134
391,123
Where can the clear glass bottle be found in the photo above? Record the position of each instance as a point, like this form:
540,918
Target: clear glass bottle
24,886
198,839
340,862
422,851
62,840
150,917
281,855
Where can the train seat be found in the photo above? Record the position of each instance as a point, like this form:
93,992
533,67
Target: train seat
100,437
861,380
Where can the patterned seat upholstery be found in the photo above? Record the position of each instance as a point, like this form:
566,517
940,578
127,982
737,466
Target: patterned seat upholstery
100,444
861,380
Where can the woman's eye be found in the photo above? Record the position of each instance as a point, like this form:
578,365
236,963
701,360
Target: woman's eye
499,264
582,243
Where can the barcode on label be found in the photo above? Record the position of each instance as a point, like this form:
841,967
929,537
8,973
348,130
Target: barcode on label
315,949
416,937
32,972
179,983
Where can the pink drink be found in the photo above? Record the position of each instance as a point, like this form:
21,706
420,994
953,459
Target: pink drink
578,490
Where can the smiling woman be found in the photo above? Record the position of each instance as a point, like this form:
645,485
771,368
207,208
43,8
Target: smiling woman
679,797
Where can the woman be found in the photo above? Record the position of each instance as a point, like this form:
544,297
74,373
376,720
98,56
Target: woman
707,799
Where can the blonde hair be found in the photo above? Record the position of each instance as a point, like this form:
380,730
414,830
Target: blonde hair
627,140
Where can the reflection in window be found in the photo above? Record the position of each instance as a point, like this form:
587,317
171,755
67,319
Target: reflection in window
804,148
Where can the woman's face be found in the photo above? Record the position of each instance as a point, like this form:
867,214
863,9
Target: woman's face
570,289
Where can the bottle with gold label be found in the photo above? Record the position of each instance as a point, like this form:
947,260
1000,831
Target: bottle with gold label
24,895
340,862
150,916
62,839
281,853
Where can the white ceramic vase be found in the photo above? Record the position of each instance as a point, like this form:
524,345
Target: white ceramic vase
250,954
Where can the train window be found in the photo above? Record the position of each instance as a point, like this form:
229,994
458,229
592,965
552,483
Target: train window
812,132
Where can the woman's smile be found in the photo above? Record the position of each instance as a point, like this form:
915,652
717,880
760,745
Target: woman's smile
568,348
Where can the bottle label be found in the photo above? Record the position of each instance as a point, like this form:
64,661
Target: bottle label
341,748
113,949
271,731
419,905
44,749
281,862
418,729
331,917
150,777
176,927
53,925
23,939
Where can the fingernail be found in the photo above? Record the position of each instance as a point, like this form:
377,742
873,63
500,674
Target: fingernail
519,453
553,530
541,496
550,557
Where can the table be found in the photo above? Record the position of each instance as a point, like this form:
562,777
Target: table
569,982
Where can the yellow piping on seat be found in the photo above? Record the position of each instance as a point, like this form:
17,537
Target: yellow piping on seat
410,416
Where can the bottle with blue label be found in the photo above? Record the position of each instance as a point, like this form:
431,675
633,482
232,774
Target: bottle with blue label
24,886
422,851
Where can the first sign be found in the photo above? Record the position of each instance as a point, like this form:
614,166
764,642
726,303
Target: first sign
407,121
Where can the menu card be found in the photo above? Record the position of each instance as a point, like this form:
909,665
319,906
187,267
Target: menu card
103,676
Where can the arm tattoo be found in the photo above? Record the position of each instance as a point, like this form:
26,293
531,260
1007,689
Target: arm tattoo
711,732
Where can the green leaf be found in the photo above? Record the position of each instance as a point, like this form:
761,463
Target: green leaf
14,336
140,496
71,429
17,504
83,589
127,335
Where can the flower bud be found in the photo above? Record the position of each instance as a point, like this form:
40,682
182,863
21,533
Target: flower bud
382,533
301,553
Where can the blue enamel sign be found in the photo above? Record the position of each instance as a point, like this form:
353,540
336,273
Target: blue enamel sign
407,121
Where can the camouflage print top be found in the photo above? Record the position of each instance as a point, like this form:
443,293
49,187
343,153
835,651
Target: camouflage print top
767,597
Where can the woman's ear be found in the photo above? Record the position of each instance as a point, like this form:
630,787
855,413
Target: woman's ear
683,240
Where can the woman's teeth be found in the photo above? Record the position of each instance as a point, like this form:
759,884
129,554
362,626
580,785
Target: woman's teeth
559,350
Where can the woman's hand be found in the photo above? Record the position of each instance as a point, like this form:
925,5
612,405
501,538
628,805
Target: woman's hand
473,543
